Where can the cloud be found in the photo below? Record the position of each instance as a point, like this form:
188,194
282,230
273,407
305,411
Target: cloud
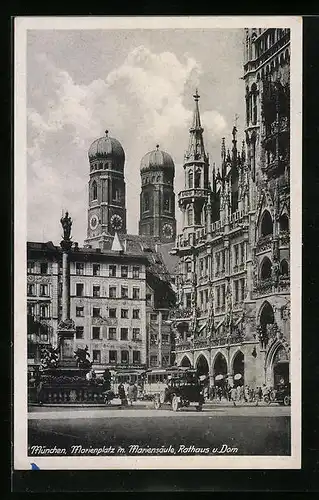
141,102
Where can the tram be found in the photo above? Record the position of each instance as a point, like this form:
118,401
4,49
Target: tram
156,379
126,377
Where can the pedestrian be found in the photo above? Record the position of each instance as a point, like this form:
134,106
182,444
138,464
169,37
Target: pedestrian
233,395
238,393
246,393
132,393
122,395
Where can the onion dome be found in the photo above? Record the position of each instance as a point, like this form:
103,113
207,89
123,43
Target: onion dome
106,148
157,160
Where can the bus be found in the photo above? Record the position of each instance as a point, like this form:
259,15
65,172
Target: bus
126,377
155,380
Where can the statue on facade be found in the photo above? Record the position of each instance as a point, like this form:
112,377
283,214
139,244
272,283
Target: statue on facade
67,324
81,356
66,223
275,272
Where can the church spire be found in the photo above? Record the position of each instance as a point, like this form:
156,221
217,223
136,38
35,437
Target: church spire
196,149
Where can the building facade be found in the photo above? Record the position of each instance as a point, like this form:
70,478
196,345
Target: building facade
233,319
118,287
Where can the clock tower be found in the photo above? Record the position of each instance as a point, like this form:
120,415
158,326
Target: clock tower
106,211
157,198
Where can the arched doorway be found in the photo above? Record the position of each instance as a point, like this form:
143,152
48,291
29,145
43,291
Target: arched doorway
202,366
220,369
266,318
186,362
239,369
280,366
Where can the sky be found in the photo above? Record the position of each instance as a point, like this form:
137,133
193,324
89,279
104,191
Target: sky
138,84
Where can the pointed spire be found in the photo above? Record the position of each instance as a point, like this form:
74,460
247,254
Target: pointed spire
116,245
196,149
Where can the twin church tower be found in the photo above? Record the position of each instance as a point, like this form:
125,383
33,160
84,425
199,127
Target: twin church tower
107,198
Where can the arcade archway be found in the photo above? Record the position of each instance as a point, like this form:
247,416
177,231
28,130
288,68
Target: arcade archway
186,362
220,369
280,366
202,366
239,369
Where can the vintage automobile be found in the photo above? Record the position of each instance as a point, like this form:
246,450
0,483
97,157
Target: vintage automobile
281,394
181,390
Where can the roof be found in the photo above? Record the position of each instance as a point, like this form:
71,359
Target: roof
106,147
157,159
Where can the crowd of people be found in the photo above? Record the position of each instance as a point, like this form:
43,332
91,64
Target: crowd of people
237,394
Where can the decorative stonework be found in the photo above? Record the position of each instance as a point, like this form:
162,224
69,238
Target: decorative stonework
33,278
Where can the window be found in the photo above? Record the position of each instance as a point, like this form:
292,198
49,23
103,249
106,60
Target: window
31,267
30,290
96,269
124,292
96,312
136,334
167,202
31,309
136,272
124,333
44,311
153,317
79,289
190,180
148,299
79,312
136,293
44,290
112,271
236,283
197,179
112,357
112,292
112,333
44,268
79,332
218,296
94,190
112,313
265,271
153,360
188,268
136,357
284,269
124,357
146,202
124,271
116,195
165,316
96,290
223,295
96,333
79,268
124,313
266,224
242,289
236,255
189,216
165,339
188,300
242,252
284,223
43,337
96,356
136,314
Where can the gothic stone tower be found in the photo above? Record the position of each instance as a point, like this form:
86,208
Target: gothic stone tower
193,199
106,211
157,199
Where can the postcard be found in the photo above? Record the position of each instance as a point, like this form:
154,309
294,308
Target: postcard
157,280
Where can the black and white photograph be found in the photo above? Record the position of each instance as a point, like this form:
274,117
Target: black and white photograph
157,243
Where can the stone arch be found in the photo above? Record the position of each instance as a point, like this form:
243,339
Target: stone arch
266,224
266,314
265,269
277,364
220,366
185,361
238,367
202,365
